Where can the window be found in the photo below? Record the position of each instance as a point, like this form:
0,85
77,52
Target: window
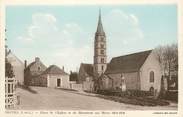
101,51
102,45
39,68
102,60
151,76
96,68
102,68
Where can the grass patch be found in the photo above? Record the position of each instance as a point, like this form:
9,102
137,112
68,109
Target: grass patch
135,97
136,100
172,96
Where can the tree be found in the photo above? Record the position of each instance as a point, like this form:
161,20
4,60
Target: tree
168,59
8,69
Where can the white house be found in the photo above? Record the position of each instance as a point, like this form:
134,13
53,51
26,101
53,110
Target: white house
56,77
18,67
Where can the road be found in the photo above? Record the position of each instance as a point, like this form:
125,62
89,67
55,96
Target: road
57,99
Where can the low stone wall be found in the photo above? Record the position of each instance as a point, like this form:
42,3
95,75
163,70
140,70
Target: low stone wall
75,86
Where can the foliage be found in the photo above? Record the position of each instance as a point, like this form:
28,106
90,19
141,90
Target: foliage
172,95
128,93
168,59
8,69
73,76
143,101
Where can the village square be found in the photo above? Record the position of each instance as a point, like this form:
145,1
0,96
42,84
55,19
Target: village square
141,80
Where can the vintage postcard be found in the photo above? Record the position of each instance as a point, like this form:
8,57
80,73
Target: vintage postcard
91,59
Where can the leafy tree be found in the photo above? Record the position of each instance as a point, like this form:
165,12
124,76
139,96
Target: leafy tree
8,69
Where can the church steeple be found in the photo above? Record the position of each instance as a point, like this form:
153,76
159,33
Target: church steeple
100,27
100,55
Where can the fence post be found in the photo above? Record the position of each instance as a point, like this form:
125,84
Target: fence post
10,95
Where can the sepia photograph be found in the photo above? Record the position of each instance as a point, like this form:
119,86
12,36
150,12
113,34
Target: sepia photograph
91,57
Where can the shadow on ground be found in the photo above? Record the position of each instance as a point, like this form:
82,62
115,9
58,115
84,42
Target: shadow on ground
25,87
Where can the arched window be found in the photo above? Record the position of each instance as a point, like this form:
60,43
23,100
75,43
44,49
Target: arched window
151,76
39,68
102,68
102,60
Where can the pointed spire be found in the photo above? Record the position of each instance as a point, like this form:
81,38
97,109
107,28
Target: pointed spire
100,27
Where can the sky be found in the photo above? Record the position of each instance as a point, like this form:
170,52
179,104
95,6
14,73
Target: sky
64,35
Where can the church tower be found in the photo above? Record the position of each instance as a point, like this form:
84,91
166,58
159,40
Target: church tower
100,57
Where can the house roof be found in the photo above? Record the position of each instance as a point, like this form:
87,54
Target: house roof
9,53
88,68
31,64
34,62
127,63
53,69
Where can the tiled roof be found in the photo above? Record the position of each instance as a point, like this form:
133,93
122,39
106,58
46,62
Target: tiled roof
53,69
10,53
31,64
34,62
127,63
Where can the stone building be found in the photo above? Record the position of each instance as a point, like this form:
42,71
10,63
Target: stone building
33,71
54,77
18,67
89,73
100,56
137,71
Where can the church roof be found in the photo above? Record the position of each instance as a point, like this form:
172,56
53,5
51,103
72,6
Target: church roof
53,69
100,27
127,63
88,68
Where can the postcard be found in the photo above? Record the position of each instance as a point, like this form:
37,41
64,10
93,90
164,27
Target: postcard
91,59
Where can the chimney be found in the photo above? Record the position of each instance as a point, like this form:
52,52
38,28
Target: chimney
63,68
37,59
70,72
25,63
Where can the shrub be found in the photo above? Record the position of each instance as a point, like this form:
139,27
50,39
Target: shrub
138,93
172,95
128,93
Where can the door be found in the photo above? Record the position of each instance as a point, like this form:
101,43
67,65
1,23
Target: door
58,82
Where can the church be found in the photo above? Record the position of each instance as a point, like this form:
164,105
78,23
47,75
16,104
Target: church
135,71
